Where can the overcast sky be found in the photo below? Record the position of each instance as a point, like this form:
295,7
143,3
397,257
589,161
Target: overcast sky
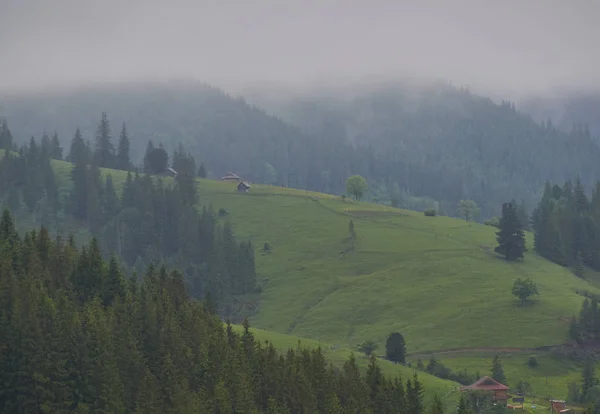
511,45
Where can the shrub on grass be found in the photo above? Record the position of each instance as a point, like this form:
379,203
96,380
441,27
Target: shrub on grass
532,362
430,212
367,347
492,221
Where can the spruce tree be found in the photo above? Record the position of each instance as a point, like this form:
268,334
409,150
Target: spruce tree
511,237
156,159
498,370
202,171
588,377
147,157
79,152
46,146
395,348
123,160
6,139
78,198
462,406
56,150
436,405
414,395
104,155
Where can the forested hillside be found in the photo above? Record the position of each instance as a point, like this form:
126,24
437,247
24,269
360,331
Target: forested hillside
437,142
146,220
444,142
77,335
565,109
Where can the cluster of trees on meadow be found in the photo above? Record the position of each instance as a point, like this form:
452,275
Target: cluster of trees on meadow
148,221
567,226
587,391
585,328
78,335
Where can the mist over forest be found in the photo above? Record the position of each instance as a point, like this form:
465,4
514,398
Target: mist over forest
403,197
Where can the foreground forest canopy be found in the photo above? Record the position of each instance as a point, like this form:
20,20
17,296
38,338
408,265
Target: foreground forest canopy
438,142
78,335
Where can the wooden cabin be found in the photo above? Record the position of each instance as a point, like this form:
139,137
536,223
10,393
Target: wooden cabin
499,391
243,187
558,406
231,177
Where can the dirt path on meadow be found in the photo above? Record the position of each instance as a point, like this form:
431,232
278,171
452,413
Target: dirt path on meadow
482,349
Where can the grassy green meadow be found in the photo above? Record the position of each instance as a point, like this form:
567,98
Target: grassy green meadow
435,279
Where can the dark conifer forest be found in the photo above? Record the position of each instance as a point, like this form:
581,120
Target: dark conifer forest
567,225
148,222
77,334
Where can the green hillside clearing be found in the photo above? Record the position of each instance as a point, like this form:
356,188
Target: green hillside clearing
435,279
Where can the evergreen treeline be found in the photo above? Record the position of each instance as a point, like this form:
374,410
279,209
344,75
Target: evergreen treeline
438,141
77,336
148,222
442,141
567,226
586,327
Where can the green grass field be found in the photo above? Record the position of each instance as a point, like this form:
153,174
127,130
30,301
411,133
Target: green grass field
435,279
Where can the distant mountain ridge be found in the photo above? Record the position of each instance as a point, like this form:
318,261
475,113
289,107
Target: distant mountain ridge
481,148
566,109
434,141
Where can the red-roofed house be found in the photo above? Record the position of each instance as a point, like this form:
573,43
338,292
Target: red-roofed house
500,391
559,406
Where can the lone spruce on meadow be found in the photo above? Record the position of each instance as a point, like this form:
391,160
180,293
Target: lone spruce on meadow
395,348
511,237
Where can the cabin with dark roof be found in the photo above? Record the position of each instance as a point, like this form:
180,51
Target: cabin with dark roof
499,391
231,177
243,187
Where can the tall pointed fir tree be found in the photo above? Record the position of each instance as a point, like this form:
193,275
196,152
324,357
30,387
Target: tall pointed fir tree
56,149
123,160
104,156
498,370
511,237
6,139
202,171
79,152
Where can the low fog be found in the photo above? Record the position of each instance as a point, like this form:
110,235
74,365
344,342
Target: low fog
509,47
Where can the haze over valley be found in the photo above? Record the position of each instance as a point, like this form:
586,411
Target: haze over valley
328,207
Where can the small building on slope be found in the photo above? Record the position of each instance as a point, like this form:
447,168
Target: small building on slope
243,187
499,391
231,177
559,406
